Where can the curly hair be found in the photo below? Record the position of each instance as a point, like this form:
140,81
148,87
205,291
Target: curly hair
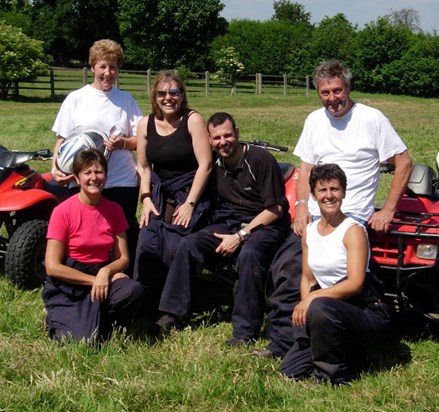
105,49
325,173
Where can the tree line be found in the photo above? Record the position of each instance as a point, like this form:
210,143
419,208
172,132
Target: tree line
388,55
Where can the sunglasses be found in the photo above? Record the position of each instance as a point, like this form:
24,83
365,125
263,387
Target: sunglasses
172,93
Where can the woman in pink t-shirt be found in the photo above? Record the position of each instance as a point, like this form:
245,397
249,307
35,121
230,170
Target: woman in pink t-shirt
87,290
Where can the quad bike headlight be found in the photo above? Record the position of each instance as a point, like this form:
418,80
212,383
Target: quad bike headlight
426,251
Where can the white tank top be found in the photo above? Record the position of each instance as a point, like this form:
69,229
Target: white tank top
327,257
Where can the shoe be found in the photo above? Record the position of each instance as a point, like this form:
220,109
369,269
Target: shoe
168,322
238,342
263,353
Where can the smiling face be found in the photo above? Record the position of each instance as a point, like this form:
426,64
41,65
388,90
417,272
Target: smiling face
91,179
329,195
105,74
224,140
334,94
169,98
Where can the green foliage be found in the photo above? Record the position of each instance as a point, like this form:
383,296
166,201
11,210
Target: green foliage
229,67
21,58
161,30
69,27
286,11
379,45
263,46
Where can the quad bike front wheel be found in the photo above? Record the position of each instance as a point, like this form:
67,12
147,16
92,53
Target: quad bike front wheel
25,255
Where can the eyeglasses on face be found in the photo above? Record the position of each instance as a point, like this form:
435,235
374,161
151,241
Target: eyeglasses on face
172,93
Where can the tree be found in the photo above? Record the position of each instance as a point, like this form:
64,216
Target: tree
289,12
21,58
69,27
264,47
377,46
170,33
229,67
406,17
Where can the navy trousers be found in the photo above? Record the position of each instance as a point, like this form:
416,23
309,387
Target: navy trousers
335,344
155,250
72,314
284,274
253,260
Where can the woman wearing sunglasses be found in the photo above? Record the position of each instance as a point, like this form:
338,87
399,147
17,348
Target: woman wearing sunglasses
174,160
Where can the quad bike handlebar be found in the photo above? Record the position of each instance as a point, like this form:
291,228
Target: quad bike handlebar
11,158
268,146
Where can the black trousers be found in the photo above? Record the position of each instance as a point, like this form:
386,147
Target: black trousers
336,343
284,274
253,260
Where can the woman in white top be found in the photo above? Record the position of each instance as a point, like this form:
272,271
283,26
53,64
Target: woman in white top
100,105
340,312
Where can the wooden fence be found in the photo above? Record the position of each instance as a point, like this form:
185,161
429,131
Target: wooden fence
61,81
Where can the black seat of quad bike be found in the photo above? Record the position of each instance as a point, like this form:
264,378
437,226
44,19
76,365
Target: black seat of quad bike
287,170
421,181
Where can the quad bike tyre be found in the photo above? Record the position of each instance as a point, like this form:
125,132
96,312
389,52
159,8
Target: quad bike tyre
25,255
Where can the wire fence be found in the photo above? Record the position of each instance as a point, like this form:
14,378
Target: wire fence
60,81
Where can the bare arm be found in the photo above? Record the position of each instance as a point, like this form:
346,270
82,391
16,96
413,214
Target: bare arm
303,217
99,283
380,220
203,153
144,170
357,246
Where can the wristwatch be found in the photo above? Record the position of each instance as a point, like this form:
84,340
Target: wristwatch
244,235
299,201
191,204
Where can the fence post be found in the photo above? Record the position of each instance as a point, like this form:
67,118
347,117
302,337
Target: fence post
206,75
84,75
256,83
148,82
307,85
16,89
52,83
260,83
285,84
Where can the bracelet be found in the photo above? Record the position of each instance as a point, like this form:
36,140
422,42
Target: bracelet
145,195
239,237
124,144
191,204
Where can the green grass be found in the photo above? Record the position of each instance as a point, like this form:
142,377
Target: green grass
192,370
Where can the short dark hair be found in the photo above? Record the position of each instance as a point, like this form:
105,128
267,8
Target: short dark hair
332,68
219,118
87,157
325,173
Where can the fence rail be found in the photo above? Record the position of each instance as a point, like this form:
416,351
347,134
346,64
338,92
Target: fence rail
61,81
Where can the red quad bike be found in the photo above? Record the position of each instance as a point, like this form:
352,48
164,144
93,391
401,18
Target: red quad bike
27,200
407,257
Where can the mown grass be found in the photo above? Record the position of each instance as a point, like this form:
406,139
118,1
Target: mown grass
192,370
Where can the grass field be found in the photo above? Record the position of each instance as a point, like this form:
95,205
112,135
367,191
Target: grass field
192,370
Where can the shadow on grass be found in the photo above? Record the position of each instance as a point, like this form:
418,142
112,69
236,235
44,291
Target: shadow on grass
58,98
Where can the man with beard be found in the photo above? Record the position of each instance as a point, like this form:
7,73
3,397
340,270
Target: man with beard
250,221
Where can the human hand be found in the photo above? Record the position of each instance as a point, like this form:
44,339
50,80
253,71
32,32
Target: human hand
183,215
380,221
148,207
299,314
115,142
302,218
229,244
60,177
99,290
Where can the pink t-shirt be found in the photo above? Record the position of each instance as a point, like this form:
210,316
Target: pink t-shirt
88,232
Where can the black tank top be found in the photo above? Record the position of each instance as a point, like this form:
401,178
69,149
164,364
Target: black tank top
171,155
